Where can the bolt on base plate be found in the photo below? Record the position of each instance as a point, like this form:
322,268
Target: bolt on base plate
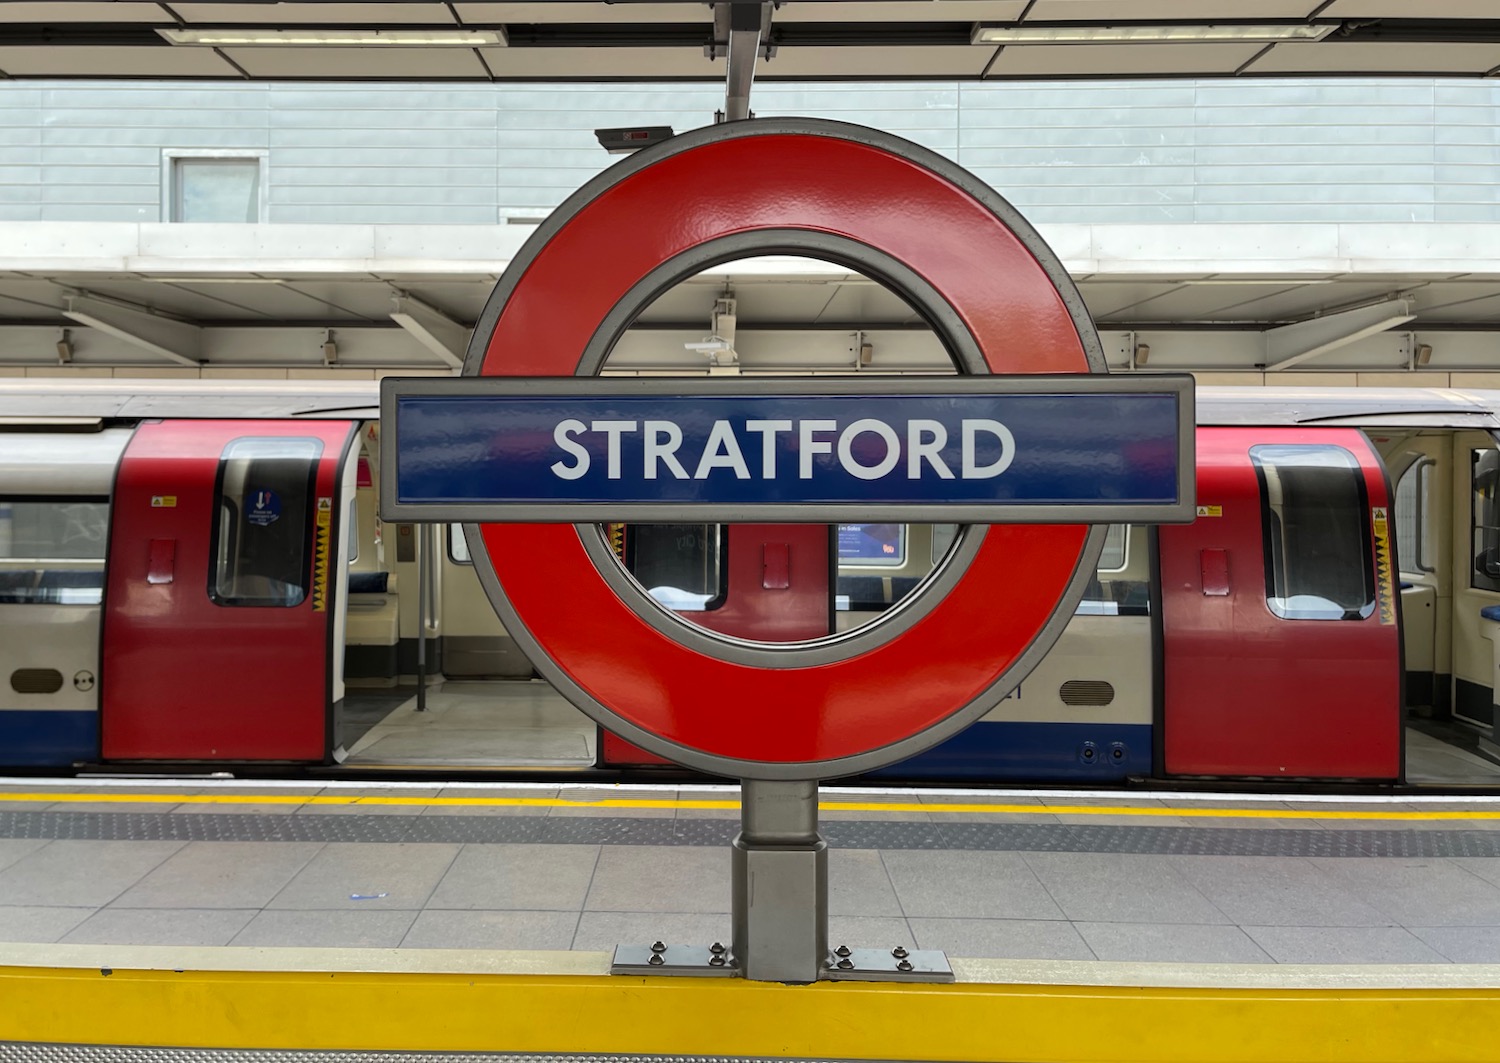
683,961
843,964
886,965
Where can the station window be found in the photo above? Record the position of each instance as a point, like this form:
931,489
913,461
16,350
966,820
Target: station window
263,524
1414,517
680,565
52,550
1486,516
1315,522
213,186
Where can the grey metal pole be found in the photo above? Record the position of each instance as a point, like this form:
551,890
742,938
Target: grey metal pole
779,893
424,548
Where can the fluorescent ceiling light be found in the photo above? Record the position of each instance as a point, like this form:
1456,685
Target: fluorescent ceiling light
986,34
336,38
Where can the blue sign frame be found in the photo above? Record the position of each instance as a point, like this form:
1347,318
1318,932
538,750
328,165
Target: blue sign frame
981,449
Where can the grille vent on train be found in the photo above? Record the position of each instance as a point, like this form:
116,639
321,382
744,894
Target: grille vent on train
36,680
1086,693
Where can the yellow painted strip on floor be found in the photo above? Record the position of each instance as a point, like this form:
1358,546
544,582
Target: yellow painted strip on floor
730,1017
692,804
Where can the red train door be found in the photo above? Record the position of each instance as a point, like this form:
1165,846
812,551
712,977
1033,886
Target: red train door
777,587
219,610
1282,650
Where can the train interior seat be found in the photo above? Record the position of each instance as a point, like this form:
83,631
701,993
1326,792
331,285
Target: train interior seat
373,634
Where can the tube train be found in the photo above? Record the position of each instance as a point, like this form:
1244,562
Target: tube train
193,575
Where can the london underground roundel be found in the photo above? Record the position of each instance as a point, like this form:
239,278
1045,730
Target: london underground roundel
990,289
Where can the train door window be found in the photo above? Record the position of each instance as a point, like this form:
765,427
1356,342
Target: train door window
458,546
52,550
263,522
1414,517
1485,474
680,565
1315,518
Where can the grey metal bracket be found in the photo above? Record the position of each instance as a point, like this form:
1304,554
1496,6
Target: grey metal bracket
682,961
887,965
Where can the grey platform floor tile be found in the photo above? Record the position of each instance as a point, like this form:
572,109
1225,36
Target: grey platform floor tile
1121,888
1485,867
517,877
1275,891
660,878
1178,943
13,849
605,930
1418,892
1342,944
82,873
39,923
258,808
859,885
1463,944
382,875
160,926
1002,939
221,875
869,932
285,929
973,885
492,930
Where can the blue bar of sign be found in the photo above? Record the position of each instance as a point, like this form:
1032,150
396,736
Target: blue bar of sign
744,451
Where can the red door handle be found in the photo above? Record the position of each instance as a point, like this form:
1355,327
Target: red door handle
776,566
162,564
1214,565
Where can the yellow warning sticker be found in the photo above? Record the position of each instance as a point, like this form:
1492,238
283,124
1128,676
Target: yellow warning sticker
163,501
320,555
1385,595
1210,511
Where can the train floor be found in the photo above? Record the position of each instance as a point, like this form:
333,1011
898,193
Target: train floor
1014,875
496,724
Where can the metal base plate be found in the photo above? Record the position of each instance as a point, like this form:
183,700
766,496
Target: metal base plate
887,965
683,961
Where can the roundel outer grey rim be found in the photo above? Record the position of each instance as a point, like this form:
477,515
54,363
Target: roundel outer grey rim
946,322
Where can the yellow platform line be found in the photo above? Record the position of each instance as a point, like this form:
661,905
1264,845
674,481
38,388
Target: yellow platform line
693,804
523,1013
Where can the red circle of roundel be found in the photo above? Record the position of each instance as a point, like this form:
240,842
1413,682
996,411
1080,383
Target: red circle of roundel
824,184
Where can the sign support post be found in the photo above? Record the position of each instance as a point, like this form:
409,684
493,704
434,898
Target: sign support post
779,885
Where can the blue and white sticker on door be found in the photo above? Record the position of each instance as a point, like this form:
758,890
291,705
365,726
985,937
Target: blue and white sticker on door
262,508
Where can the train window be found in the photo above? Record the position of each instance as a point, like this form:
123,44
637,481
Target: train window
1314,515
52,550
680,565
458,546
263,522
872,545
213,185
1485,575
1116,541
1414,517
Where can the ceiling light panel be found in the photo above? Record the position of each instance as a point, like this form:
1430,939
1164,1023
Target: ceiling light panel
1185,34
304,13
251,37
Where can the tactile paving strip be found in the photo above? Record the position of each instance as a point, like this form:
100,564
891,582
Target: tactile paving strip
23,1052
841,834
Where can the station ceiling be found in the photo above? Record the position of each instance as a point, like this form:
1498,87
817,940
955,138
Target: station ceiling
692,40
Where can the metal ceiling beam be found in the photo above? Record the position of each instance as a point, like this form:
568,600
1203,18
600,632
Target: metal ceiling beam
1293,344
748,23
176,341
432,328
